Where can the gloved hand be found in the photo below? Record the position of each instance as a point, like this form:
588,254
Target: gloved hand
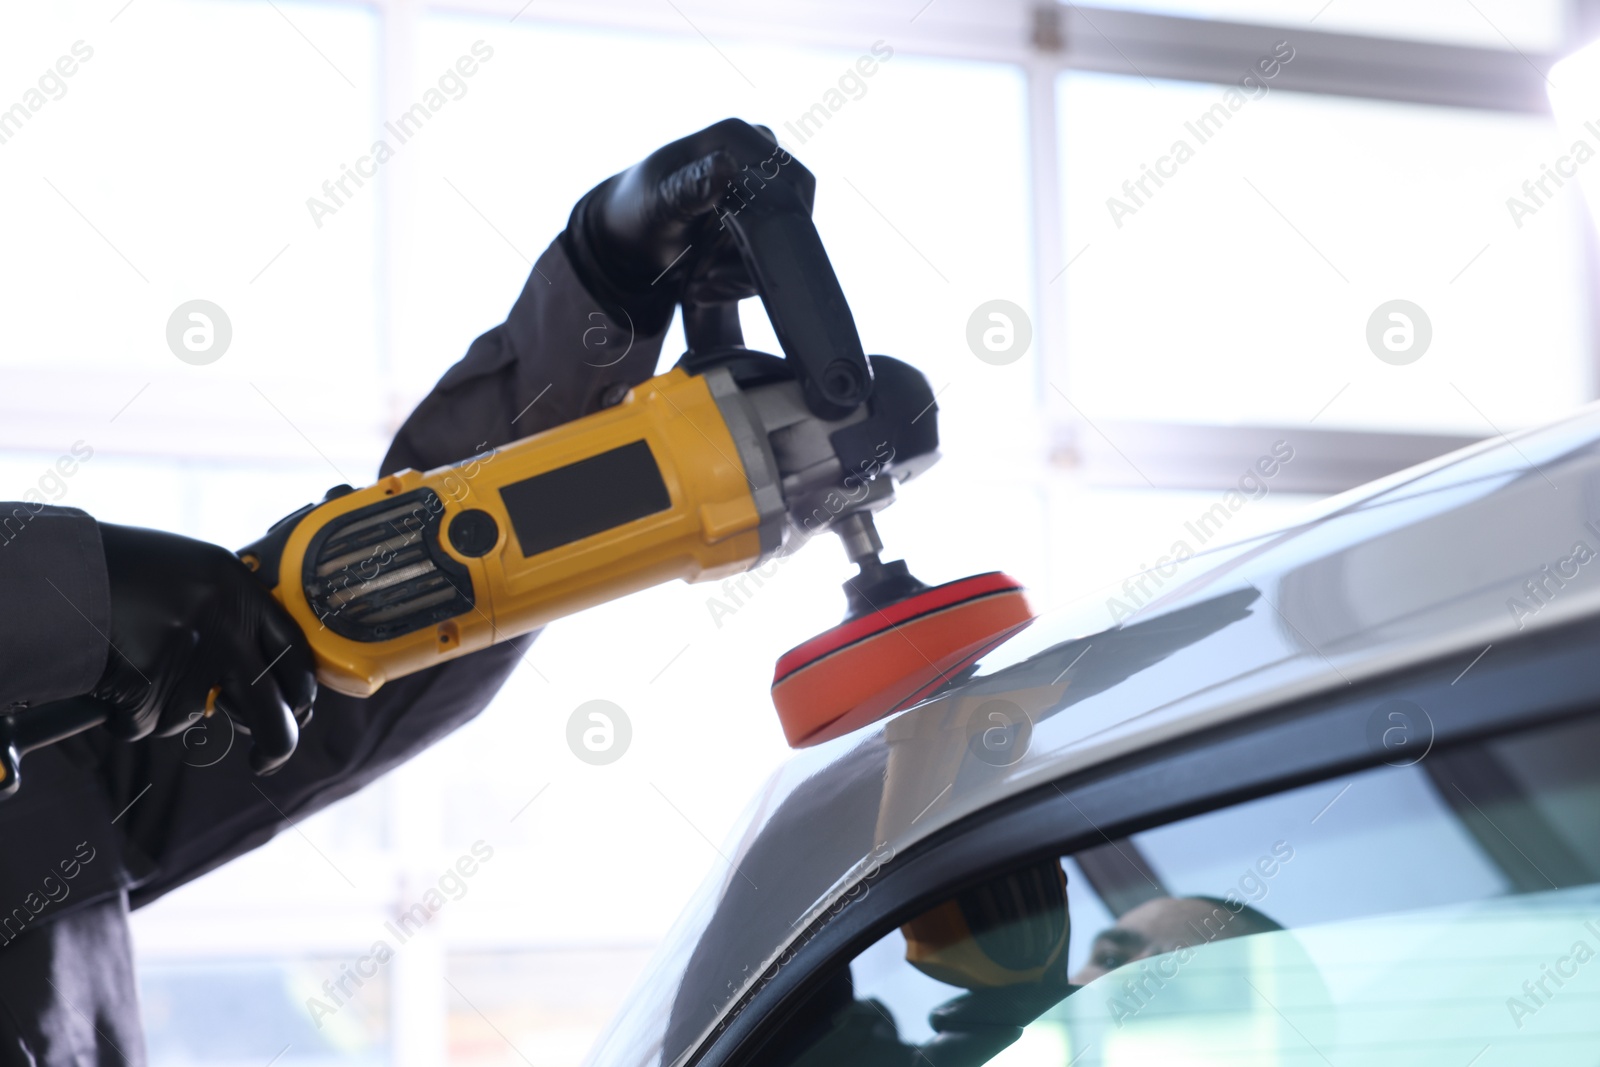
628,236
187,616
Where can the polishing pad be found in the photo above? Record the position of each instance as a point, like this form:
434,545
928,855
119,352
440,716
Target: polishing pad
869,666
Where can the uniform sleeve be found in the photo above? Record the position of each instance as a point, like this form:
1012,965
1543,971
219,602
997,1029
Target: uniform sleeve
57,603
556,357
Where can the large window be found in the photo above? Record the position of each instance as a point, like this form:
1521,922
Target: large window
1235,245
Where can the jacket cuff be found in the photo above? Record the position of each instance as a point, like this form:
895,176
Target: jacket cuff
648,308
57,615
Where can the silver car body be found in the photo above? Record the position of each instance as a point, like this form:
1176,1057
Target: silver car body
1443,560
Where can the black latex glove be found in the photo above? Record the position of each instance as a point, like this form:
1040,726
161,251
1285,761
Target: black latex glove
187,616
650,237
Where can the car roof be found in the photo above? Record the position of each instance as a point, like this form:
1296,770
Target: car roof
1442,560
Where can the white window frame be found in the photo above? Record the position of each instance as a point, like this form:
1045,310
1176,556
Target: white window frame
1047,39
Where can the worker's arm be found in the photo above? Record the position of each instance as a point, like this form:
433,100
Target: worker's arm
557,356
152,815
575,340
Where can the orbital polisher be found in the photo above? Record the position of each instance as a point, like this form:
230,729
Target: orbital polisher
730,458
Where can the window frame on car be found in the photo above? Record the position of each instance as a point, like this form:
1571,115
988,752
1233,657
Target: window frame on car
1528,683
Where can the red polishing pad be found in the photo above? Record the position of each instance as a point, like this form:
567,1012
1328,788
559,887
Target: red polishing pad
869,666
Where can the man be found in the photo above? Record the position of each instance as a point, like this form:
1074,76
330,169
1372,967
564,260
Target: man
162,627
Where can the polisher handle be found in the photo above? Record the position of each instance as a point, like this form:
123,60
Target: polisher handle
784,255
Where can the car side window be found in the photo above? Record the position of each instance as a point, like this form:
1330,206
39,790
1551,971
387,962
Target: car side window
1438,909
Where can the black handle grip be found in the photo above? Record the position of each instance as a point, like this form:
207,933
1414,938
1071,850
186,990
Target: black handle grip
26,729
784,255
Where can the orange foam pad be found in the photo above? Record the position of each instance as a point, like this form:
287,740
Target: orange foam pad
867,667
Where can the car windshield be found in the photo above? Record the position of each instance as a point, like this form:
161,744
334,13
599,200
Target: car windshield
1442,910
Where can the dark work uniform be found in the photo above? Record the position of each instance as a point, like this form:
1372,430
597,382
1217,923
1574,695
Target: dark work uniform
100,826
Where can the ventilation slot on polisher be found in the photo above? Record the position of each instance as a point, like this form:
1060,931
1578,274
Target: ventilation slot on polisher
378,573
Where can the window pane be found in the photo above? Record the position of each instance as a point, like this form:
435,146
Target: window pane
1530,25
1413,914
541,1007
175,165
1253,283
248,1013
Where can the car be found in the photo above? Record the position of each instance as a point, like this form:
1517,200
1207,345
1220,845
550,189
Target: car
1329,795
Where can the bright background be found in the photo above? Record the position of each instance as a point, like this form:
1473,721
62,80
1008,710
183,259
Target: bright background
177,166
